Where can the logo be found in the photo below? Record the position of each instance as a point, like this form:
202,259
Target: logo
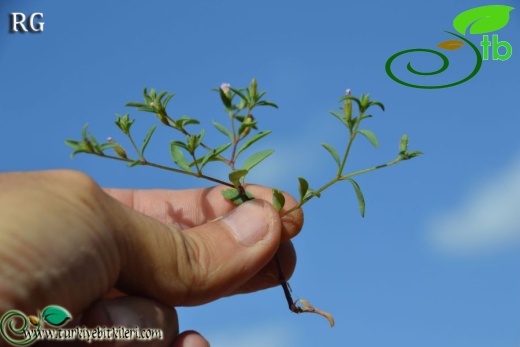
18,329
480,21
17,334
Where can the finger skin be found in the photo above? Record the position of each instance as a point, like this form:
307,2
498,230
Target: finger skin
191,207
97,243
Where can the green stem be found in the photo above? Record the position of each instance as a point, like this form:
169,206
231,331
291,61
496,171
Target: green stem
337,179
136,149
167,168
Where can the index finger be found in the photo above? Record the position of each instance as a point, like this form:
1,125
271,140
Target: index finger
188,208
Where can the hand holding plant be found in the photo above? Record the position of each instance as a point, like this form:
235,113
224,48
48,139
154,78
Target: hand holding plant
192,156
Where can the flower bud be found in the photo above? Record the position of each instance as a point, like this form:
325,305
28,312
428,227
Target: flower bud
247,128
253,86
348,107
225,87
118,149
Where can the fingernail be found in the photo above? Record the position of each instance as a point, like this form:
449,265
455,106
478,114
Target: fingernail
248,222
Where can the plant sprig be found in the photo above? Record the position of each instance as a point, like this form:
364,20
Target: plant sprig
241,135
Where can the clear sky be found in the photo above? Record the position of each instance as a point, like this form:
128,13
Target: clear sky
436,260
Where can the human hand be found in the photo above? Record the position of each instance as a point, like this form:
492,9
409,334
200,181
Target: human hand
65,241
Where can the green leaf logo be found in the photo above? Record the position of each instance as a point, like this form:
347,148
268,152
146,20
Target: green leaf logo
56,315
482,19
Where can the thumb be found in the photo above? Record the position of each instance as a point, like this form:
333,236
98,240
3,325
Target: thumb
200,264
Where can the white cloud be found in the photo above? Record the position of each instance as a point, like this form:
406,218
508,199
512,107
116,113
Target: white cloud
271,335
487,220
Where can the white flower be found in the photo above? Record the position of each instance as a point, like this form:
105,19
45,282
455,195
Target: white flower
225,87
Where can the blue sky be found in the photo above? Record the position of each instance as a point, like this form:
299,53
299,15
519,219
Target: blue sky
435,261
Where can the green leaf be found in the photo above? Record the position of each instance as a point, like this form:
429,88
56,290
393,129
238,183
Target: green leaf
147,138
359,194
108,145
84,132
410,155
339,116
223,130
252,140
234,196
135,104
178,157
236,175
352,98
72,144
256,158
239,93
370,137
94,143
403,145
225,99
278,200
377,103
134,163
78,151
303,188
266,103
483,19
56,315
213,153
333,152
167,100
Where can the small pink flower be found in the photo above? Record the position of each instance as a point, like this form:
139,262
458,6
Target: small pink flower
109,139
225,87
347,92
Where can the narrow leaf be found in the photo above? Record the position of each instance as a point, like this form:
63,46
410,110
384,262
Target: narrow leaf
213,153
135,104
403,146
84,132
108,145
359,194
266,103
236,175
339,116
303,187
278,200
167,100
256,158
252,140
134,163
223,130
370,137
147,138
178,157
94,143
72,144
333,152
239,93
